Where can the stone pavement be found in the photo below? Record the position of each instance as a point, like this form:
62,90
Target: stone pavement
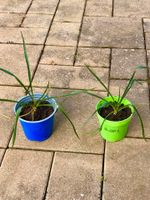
112,36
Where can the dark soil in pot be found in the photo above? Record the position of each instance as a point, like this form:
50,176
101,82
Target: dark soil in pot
41,112
121,115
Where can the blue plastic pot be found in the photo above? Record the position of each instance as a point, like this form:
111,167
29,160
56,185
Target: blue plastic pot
37,130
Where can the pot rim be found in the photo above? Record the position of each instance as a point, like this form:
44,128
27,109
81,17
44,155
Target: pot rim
132,110
55,107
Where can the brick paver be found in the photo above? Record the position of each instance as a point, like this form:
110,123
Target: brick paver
37,21
69,77
70,11
99,8
124,62
112,32
62,36
80,177
125,167
24,174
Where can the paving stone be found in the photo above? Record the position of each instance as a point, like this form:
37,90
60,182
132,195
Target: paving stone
81,177
58,55
146,24
101,32
147,32
69,77
18,6
1,154
138,88
147,40
37,20
70,11
124,62
63,34
136,8
93,56
46,6
126,170
12,58
31,35
63,138
23,174
10,20
98,8
6,113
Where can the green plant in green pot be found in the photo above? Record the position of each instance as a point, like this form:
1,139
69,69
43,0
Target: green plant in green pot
36,111
115,112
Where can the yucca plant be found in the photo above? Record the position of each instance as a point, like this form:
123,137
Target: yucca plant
109,124
34,103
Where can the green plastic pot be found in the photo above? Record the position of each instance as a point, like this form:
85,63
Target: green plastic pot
113,131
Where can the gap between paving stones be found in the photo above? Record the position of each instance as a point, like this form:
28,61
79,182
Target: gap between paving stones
52,151
146,55
48,178
79,35
26,13
45,40
38,86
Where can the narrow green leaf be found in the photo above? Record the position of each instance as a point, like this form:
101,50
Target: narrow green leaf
128,87
105,120
8,100
62,110
100,81
69,94
141,121
42,98
18,80
90,117
27,63
14,131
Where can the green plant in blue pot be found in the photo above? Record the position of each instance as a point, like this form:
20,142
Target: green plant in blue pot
36,111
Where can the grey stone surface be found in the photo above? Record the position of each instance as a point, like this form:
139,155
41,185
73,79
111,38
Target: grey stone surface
12,59
37,21
31,35
58,55
46,6
136,8
99,8
18,6
70,11
63,34
125,61
127,170
93,56
75,176
79,108
23,174
69,77
7,116
10,20
138,94
112,32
